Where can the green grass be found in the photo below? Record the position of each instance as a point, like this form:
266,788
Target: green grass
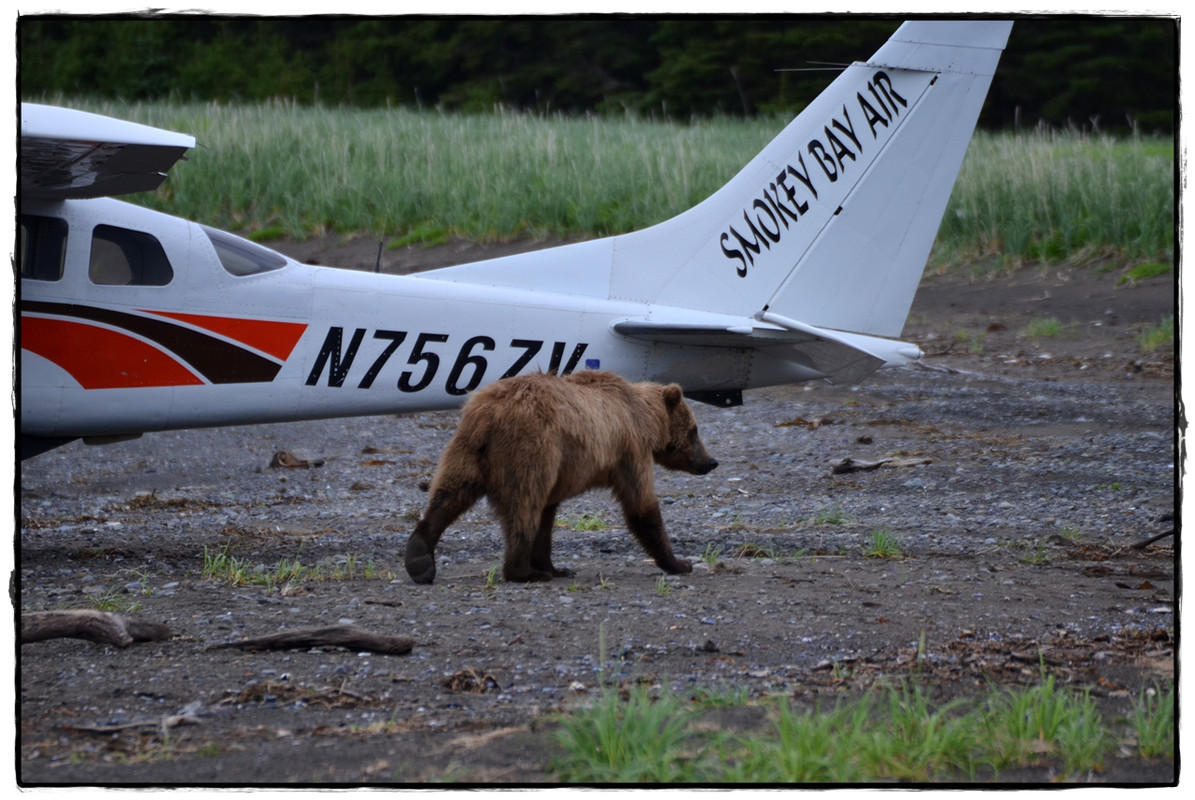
1152,722
1043,328
768,550
583,522
892,733
973,340
220,565
1144,271
882,544
637,740
411,177
831,515
1157,336
423,176
712,554
1036,555
1025,725
113,599
1061,196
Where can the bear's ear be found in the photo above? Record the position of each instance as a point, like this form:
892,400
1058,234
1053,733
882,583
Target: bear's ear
672,395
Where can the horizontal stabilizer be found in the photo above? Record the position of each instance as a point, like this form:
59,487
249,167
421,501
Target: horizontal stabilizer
826,352
747,336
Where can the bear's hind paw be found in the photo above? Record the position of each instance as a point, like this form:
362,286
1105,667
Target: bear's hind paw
420,562
530,576
555,572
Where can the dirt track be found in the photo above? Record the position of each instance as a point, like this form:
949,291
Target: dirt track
1022,473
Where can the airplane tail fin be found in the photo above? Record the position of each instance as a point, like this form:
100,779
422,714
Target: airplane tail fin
821,239
832,223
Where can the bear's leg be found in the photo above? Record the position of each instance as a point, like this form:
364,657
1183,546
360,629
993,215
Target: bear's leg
648,527
642,512
443,509
541,550
520,527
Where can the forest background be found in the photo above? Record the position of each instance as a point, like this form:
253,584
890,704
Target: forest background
1090,72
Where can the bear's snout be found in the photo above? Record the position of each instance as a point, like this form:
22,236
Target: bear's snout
704,467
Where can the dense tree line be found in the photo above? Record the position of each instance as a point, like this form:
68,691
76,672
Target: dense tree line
1058,70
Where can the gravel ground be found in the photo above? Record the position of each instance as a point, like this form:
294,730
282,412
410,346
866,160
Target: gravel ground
1020,475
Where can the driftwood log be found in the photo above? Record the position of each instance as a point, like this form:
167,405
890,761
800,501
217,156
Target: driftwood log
849,464
97,626
1144,543
347,636
160,723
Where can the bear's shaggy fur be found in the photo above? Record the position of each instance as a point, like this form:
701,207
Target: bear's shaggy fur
530,442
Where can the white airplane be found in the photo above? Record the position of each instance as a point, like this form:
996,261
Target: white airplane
802,267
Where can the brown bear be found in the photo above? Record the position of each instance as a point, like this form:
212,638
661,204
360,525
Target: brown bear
530,442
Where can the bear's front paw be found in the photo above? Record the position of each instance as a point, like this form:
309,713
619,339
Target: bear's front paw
677,567
420,562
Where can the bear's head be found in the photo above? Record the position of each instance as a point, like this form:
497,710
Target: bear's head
683,449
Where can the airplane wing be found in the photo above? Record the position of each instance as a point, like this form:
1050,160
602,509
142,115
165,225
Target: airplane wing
69,154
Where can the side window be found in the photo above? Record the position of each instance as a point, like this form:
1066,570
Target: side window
120,257
240,256
43,247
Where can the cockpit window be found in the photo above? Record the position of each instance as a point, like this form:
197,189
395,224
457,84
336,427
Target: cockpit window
121,257
241,256
43,247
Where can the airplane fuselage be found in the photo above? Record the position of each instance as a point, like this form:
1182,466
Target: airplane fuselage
208,347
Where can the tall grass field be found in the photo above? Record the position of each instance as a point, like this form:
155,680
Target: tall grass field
281,169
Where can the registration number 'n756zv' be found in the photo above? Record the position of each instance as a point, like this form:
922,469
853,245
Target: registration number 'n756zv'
428,354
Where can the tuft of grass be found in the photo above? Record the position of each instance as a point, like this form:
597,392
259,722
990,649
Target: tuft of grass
974,340
1037,555
221,565
1071,534
1152,723
112,599
712,554
267,233
491,577
637,740
1157,336
583,522
1042,721
1043,328
426,234
1144,271
882,545
831,515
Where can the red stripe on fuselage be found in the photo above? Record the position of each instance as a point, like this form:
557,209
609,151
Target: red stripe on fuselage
277,339
99,358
